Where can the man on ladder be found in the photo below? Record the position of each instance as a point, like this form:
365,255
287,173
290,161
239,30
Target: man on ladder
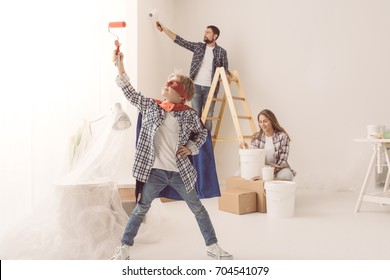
208,56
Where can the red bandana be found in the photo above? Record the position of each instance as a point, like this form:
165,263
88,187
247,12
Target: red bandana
177,86
169,107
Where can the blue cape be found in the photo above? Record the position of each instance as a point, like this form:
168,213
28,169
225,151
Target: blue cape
207,185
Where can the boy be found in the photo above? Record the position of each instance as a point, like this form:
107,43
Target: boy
161,156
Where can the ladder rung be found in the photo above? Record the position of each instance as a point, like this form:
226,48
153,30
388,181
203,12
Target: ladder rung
225,139
230,139
213,118
238,98
245,117
239,117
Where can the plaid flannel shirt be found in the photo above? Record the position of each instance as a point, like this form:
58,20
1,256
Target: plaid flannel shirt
198,48
153,116
281,144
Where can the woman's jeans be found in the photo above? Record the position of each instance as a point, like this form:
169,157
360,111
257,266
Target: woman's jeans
158,180
285,174
199,101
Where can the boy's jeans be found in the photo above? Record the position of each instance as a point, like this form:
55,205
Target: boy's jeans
158,180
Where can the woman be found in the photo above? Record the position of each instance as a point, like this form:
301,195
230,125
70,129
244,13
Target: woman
275,140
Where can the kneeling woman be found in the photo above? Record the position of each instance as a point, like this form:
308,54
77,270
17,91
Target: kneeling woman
276,142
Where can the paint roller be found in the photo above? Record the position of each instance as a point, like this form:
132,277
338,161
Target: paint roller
116,24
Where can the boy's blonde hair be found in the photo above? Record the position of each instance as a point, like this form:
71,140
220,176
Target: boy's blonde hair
187,83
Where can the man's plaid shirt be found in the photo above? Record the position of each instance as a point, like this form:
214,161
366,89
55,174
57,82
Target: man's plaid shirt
153,116
198,48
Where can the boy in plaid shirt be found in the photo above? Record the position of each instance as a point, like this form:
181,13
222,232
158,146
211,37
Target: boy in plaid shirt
170,132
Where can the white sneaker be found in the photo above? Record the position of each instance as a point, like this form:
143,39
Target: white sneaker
122,253
217,253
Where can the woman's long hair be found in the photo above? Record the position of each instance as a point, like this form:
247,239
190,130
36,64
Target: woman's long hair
274,122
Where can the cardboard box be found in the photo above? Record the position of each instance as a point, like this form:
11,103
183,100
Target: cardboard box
237,201
127,196
255,186
126,193
164,199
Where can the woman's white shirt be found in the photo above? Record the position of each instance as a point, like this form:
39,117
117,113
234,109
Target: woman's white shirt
269,151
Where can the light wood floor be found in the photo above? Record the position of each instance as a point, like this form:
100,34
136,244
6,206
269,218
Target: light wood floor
324,227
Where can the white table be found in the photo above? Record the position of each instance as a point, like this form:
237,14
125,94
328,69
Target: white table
382,197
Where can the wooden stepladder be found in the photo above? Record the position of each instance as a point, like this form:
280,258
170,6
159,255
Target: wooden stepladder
228,98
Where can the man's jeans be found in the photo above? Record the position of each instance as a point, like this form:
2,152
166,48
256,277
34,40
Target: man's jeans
199,101
158,180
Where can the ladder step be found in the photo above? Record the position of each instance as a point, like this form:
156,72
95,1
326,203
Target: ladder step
214,138
245,117
213,118
239,117
238,98
225,139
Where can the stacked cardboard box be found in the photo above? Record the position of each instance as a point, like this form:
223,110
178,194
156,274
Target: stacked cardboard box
254,186
237,201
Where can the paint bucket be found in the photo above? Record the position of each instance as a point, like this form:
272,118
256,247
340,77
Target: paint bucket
251,162
267,173
280,198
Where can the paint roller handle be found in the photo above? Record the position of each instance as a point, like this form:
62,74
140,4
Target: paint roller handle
117,50
159,26
118,60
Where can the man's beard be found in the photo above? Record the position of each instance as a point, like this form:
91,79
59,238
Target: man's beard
207,41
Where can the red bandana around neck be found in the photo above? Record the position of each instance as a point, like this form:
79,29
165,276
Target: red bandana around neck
169,107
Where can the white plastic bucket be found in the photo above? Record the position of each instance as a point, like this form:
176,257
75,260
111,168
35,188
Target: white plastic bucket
280,198
251,162
268,173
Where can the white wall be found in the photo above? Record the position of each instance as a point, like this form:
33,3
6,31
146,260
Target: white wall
156,52
321,66
56,71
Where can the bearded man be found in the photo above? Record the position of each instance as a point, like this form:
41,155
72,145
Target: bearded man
207,57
